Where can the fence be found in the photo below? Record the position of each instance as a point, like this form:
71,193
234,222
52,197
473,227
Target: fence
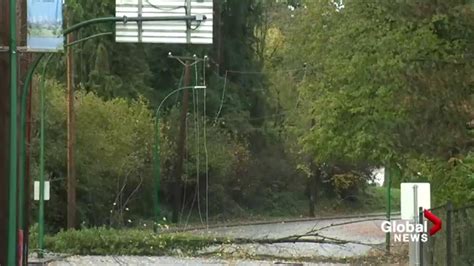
454,245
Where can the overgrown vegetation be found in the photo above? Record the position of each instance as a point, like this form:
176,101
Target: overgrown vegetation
387,83
104,241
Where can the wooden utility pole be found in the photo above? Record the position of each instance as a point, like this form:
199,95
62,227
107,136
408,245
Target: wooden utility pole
4,127
178,171
218,36
71,134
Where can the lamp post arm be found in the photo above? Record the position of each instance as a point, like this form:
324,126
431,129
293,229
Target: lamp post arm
125,19
157,150
169,95
88,38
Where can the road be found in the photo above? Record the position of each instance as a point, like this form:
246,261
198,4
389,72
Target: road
368,232
126,260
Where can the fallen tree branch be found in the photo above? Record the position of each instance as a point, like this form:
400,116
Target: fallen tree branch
345,223
314,238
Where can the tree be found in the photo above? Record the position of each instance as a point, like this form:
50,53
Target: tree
391,81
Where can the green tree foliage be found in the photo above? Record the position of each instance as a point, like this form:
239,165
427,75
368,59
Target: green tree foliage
119,85
114,143
113,140
390,81
299,93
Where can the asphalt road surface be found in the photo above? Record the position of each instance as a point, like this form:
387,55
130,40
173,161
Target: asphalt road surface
364,234
125,260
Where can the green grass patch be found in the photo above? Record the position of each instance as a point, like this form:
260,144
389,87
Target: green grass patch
132,242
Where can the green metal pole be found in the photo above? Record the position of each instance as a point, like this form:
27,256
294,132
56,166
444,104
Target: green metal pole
22,171
157,168
387,175
12,195
42,160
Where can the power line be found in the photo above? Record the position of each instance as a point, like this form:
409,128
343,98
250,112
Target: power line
269,71
166,9
222,97
282,113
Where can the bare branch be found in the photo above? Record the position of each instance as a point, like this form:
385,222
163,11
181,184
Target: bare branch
345,223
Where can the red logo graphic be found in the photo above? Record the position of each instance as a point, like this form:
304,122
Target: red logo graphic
435,220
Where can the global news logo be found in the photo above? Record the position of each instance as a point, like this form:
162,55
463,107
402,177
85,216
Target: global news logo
407,231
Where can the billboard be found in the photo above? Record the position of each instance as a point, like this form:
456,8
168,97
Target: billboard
196,32
45,25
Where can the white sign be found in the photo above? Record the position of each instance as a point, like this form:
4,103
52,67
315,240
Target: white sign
407,197
180,31
36,193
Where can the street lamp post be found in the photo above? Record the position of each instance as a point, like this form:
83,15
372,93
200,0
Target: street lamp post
13,152
156,153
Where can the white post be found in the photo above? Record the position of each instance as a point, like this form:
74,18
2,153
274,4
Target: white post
413,245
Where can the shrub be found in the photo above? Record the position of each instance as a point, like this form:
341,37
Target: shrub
104,241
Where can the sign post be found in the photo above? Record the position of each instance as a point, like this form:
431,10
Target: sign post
413,197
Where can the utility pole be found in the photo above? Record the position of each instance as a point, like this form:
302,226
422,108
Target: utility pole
71,126
178,170
218,40
4,122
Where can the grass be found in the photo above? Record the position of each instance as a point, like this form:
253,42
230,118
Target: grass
135,242
132,242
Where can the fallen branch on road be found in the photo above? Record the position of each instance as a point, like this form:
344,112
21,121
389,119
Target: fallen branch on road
344,223
303,238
